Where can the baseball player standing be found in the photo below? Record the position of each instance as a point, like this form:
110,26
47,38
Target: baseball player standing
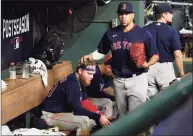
130,81
169,46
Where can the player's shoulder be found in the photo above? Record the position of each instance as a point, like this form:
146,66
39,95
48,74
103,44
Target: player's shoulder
140,29
114,30
164,26
172,29
168,28
70,80
151,25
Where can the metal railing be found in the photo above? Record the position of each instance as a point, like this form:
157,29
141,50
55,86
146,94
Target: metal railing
173,3
156,109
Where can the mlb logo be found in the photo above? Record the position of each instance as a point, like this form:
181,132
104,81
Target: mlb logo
16,42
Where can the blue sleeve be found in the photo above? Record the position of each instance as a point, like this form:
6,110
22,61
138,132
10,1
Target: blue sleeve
175,41
106,86
84,94
73,96
150,46
104,45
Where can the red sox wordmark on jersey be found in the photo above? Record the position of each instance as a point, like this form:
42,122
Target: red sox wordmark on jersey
119,45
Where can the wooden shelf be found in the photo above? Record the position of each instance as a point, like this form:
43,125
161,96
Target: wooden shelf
22,95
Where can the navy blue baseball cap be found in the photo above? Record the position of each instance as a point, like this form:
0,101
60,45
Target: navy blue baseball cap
163,8
125,7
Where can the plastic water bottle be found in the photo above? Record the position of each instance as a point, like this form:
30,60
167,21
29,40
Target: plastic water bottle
12,71
52,55
25,73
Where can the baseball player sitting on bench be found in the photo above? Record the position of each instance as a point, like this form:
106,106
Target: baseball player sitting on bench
99,88
67,106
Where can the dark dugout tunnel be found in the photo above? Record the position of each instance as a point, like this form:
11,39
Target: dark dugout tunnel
65,18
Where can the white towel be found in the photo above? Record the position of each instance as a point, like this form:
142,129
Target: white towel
5,130
39,67
34,131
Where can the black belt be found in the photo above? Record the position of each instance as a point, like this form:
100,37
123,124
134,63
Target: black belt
128,76
165,61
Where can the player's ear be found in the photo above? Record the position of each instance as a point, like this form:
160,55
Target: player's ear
133,15
80,71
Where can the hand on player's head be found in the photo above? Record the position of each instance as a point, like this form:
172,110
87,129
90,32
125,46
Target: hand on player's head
86,71
86,58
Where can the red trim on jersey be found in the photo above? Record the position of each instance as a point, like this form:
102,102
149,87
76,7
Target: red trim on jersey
89,106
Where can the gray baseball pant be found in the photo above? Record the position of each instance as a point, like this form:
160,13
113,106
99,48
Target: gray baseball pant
105,105
130,93
159,77
68,121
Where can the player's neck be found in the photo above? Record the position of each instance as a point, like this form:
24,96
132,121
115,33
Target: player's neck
78,80
77,76
129,27
161,20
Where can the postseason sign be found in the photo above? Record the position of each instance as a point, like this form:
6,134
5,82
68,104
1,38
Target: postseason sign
15,26
16,38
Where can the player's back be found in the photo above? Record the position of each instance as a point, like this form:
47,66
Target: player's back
57,99
166,38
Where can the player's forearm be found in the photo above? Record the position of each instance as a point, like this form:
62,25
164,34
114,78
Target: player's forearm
78,110
179,62
97,56
153,59
109,90
88,105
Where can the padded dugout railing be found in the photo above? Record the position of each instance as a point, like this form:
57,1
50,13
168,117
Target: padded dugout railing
156,109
